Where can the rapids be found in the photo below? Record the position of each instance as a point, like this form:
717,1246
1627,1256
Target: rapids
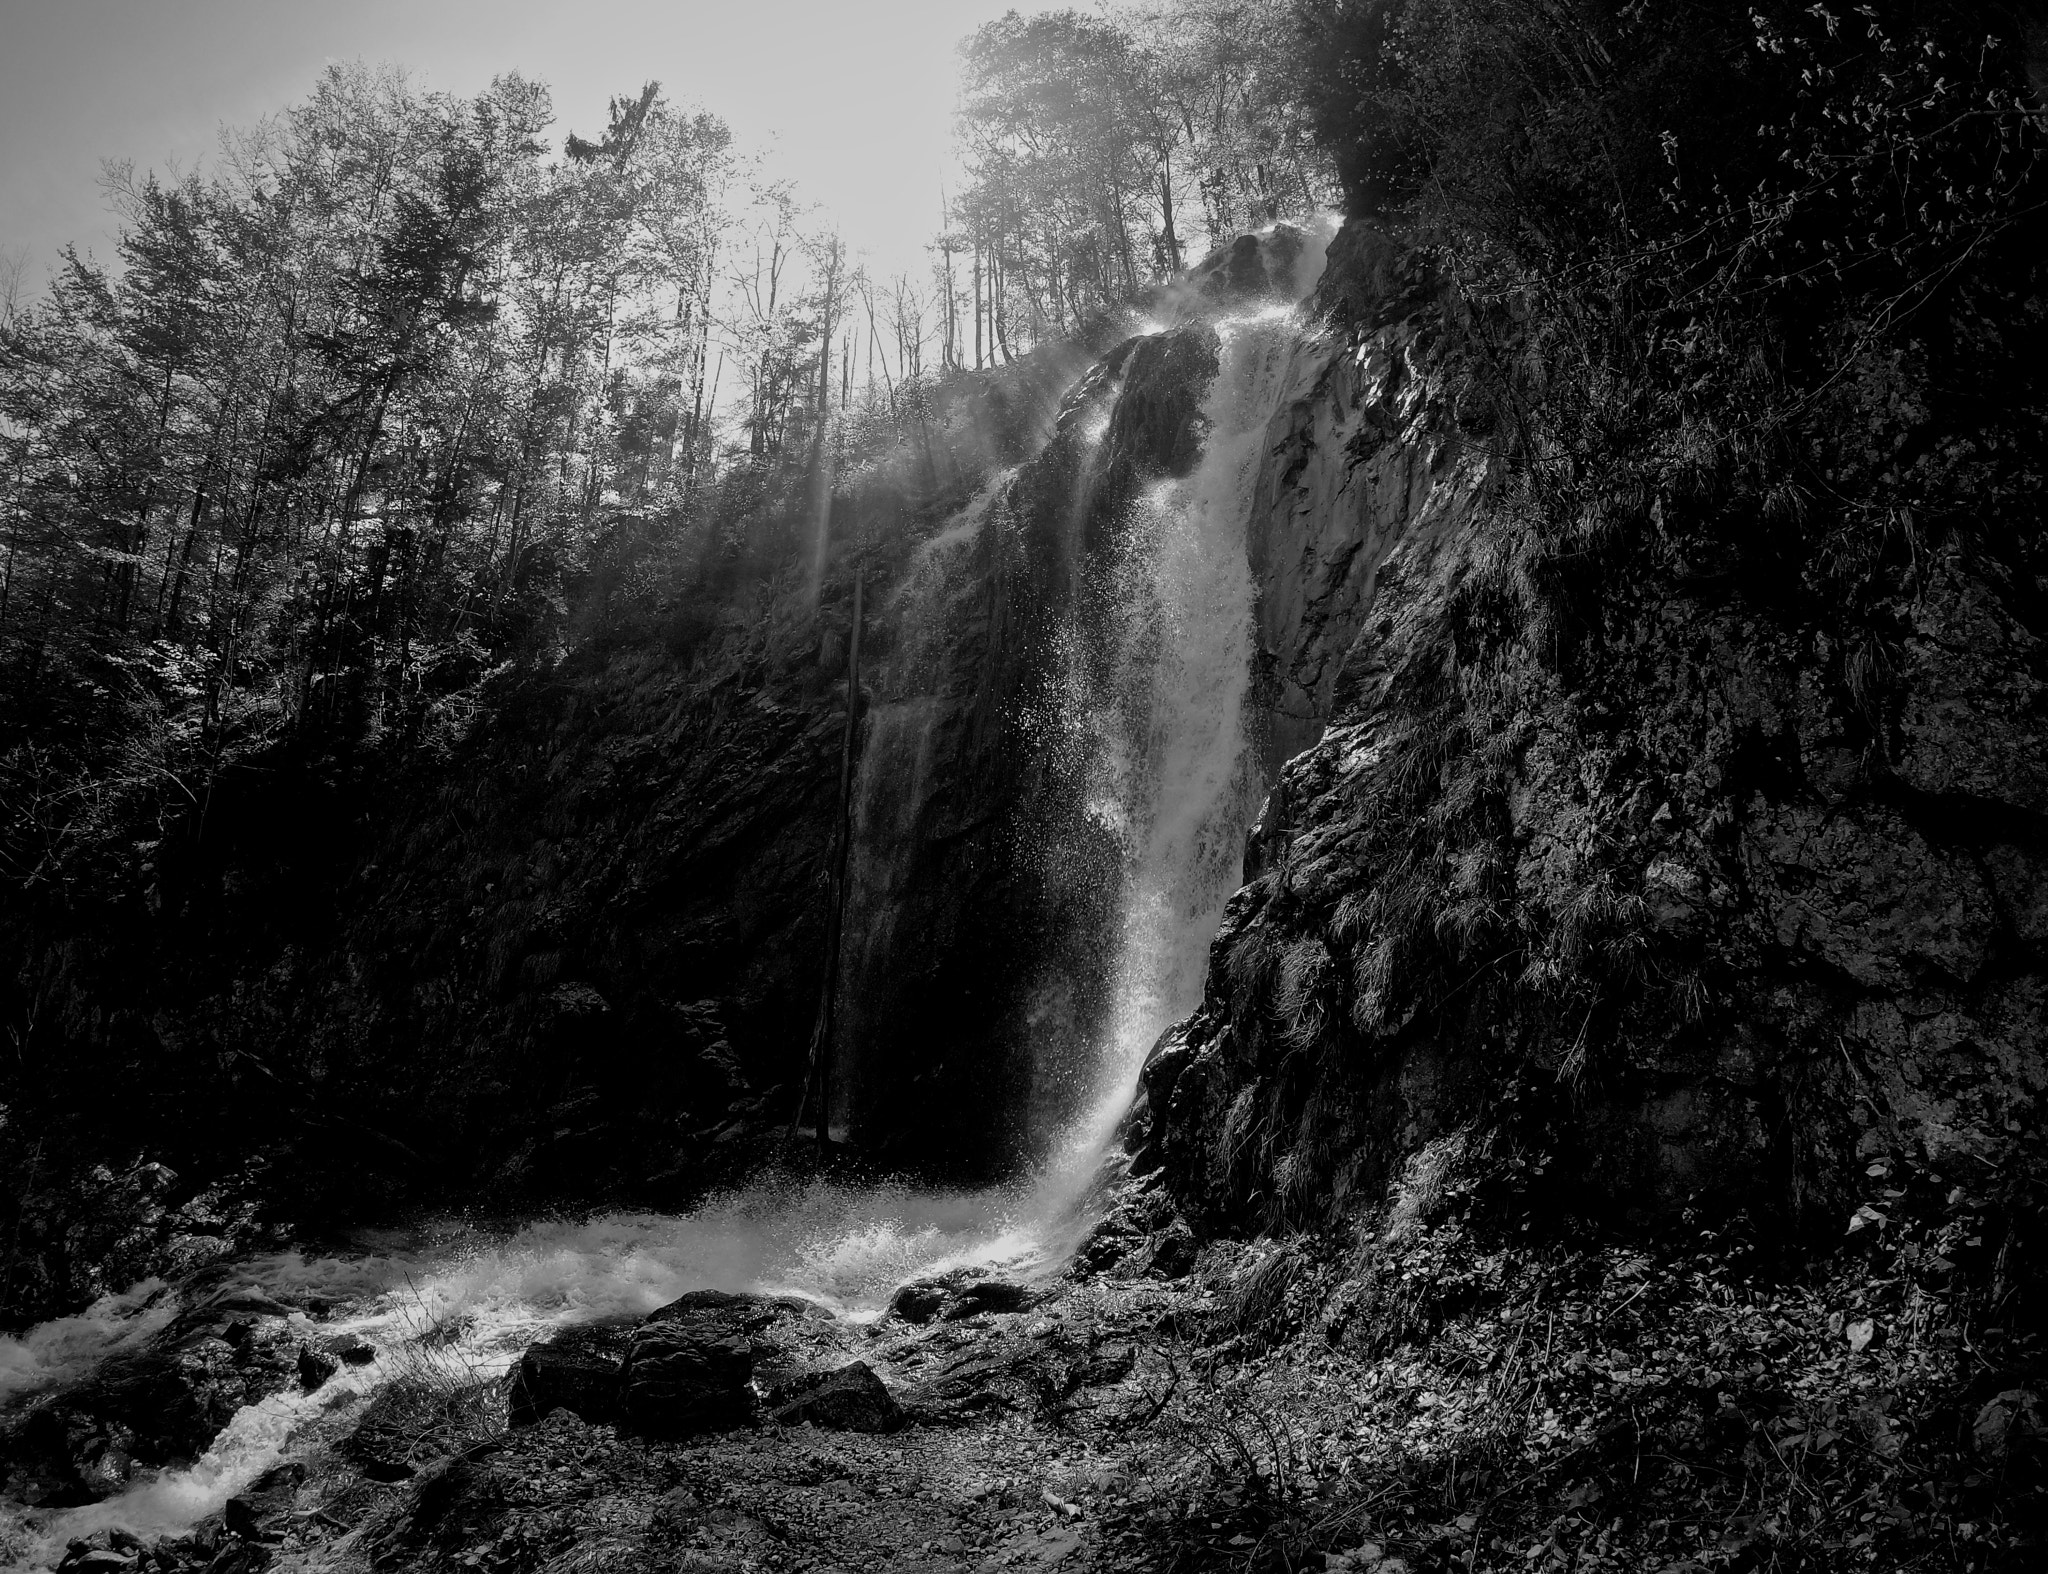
1169,769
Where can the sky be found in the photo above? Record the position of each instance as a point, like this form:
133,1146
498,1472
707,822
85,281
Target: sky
850,98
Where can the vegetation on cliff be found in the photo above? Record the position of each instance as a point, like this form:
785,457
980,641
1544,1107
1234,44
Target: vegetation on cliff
1671,853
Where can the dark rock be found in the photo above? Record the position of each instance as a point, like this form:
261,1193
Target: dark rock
455,1503
952,1296
1172,1253
161,1403
991,1373
739,1310
1108,1244
851,1399
687,1373
351,1349
315,1367
918,1302
96,1560
237,1299
262,1510
988,1295
579,1370
57,1455
103,1552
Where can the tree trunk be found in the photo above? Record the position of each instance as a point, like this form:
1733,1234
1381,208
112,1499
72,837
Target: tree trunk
1166,210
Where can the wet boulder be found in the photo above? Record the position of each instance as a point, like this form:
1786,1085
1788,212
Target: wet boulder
350,1349
315,1367
579,1370
687,1373
686,1367
962,1293
918,1302
987,1295
850,1399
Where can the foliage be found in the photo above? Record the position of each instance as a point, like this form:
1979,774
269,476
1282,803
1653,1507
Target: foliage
331,444
1744,303
1488,1392
1107,153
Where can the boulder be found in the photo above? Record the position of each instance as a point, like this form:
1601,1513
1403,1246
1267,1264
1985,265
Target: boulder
315,1367
103,1552
350,1349
686,1373
988,1295
951,1296
918,1302
578,1370
59,1455
739,1310
851,1399
1172,1253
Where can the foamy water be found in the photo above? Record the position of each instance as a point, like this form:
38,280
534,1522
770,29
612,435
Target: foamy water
1170,773
485,1295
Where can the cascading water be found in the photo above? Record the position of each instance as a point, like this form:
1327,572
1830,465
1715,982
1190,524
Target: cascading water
1168,771
1173,773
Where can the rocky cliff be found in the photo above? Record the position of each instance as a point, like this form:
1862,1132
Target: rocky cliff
1714,895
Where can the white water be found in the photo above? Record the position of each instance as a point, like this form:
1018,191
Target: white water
1173,775
1169,772
487,1294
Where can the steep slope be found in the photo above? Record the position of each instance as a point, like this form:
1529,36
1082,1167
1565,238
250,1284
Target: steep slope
1713,898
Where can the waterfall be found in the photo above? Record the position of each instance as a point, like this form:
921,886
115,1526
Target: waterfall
1173,773
1169,770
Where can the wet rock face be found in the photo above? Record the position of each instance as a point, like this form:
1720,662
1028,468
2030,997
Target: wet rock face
980,885
1764,899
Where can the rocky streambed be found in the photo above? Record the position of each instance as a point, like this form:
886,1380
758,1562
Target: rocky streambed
240,1421
1454,1380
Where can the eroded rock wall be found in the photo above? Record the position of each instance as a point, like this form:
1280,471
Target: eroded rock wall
1715,910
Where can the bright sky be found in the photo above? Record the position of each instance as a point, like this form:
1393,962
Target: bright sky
855,96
